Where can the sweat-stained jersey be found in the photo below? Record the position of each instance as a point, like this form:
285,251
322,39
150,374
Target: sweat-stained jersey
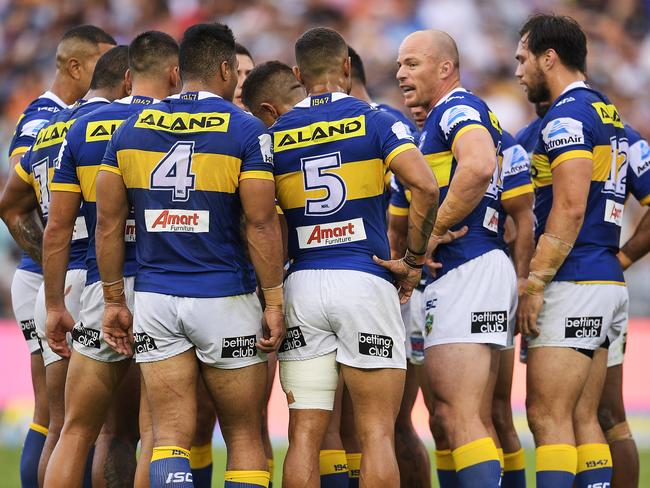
583,123
182,161
79,161
638,169
455,114
331,154
37,114
37,165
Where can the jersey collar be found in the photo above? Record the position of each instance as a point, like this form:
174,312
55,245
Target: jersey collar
51,96
444,99
574,85
127,100
201,95
97,99
306,103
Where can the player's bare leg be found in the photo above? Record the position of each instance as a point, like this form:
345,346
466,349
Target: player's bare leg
307,430
41,409
594,458
55,375
89,390
333,464
611,414
238,396
376,396
488,395
266,438
412,456
146,440
114,462
201,451
349,438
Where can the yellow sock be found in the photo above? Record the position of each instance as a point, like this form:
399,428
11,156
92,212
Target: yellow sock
514,461
271,467
477,460
444,460
256,478
501,458
200,456
163,452
333,461
39,428
354,464
556,465
594,465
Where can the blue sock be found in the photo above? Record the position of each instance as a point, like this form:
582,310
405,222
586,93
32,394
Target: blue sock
170,465
514,475
445,469
88,473
201,464
477,464
31,455
555,465
333,469
594,466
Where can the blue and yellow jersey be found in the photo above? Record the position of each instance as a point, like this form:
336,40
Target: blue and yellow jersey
528,136
331,154
37,165
182,161
80,158
515,169
582,123
638,168
37,114
457,113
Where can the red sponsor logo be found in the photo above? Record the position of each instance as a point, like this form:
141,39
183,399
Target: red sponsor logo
319,234
166,219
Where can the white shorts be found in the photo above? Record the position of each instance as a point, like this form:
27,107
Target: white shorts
616,352
24,288
222,330
87,335
415,328
75,281
582,316
473,303
353,313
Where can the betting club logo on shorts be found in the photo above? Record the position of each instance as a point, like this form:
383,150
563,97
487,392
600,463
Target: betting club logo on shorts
375,345
29,329
85,336
582,327
176,220
331,234
293,340
563,131
457,114
238,347
143,343
489,322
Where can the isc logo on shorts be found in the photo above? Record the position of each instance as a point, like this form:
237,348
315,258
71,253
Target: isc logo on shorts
582,327
143,343
489,322
331,234
85,337
238,347
293,340
375,345
175,220
29,329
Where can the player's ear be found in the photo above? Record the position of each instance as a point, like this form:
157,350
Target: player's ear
73,65
226,70
446,67
175,78
346,66
296,73
270,109
548,59
128,82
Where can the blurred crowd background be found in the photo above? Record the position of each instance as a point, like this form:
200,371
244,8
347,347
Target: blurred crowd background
486,32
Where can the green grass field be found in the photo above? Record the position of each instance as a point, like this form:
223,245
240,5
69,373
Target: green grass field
9,460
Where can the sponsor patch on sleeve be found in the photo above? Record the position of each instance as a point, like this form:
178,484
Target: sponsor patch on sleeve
401,130
561,132
31,128
640,157
515,161
265,147
457,114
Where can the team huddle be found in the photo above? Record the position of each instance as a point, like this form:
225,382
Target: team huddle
188,219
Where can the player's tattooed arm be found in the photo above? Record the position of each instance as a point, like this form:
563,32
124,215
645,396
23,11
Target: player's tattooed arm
19,210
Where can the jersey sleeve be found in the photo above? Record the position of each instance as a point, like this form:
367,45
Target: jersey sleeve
257,155
26,130
24,169
516,172
459,118
567,134
399,201
638,173
394,135
65,168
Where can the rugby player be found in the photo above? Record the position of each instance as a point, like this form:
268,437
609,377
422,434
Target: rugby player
331,152
191,166
474,293
245,64
29,190
96,374
76,56
575,300
412,456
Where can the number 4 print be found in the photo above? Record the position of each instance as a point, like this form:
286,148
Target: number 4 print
173,172
315,178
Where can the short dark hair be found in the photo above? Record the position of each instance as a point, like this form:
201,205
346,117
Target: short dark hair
240,49
318,49
149,51
110,68
356,63
560,33
89,33
203,48
260,81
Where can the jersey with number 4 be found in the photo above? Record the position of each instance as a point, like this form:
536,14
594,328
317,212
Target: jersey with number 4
331,154
583,123
182,161
457,113
37,165
80,158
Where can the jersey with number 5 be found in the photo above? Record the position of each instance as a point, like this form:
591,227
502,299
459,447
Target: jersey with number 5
182,162
331,154
583,123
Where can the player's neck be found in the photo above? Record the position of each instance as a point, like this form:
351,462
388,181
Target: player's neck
442,90
65,89
559,81
330,83
198,86
359,91
148,88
